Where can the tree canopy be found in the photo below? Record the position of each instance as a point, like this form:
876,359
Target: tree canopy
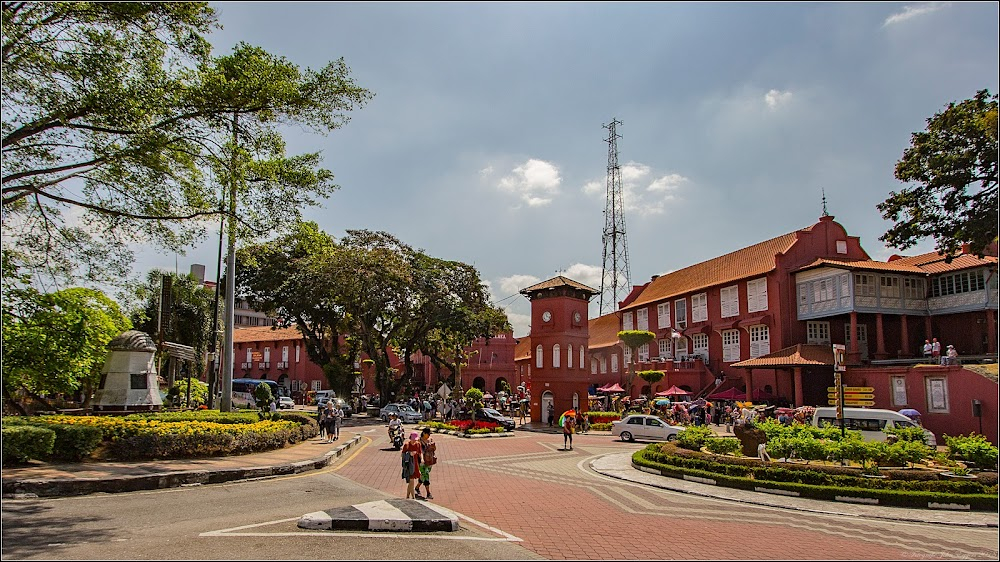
118,128
368,292
954,166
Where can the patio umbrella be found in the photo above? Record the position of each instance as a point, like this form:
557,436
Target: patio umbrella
662,402
910,413
730,394
613,389
674,391
487,396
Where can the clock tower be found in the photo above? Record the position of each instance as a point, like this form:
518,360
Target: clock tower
559,336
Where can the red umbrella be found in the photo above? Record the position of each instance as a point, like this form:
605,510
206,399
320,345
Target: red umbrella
731,394
612,389
673,391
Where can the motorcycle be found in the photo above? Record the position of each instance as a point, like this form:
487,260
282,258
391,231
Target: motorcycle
396,436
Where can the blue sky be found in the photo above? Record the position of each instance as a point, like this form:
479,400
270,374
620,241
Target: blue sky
484,141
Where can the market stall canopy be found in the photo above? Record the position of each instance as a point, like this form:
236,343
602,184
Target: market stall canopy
673,391
611,389
731,394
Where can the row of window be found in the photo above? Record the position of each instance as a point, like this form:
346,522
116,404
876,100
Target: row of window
760,344
557,356
891,286
965,282
729,303
267,354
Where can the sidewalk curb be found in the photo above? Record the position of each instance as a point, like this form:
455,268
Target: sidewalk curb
63,487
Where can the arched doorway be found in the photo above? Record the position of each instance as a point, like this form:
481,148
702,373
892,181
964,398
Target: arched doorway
547,399
480,383
498,385
576,400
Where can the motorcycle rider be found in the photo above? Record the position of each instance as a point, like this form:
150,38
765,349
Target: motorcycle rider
394,425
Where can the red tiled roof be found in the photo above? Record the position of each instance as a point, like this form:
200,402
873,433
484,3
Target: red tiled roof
930,263
603,331
795,356
864,264
265,333
523,348
751,261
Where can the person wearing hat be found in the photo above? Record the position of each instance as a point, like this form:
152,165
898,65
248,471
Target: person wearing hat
952,355
412,454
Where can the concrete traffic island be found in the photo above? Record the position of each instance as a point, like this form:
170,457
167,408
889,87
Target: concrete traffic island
383,515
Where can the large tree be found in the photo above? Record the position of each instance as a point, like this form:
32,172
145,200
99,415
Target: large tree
114,115
55,342
953,164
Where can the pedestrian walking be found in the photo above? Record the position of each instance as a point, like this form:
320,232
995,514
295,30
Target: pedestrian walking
338,419
429,459
569,424
329,420
410,456
321,418
552,414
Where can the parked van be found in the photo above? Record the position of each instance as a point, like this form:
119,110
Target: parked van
868,421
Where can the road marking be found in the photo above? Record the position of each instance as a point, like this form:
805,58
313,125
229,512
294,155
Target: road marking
241,531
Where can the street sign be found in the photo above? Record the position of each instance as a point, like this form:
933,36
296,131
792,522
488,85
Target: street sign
859,402
849,389
850,396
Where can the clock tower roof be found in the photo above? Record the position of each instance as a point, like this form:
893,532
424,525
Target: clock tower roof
553,285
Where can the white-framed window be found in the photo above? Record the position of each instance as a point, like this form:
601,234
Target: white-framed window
899,391
627,321
642,319
614,362
823,290
913,289
298,351
862,339
680,313
680,348
267,354
317,385
699,307
955,283
937,394
627,354
760,340
889,286
664,348
284,354
730,345
249,354
757,295
663,315
644,352
539,356
864,285
555,356
569,356
699,345
604,364
581,357
593,366
729,298
817,332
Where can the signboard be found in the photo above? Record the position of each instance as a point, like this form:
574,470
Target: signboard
833,402
257,356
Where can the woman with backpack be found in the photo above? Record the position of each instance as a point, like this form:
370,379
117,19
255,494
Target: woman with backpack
429,449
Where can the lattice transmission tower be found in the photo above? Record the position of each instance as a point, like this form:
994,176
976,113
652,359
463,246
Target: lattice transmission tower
615,275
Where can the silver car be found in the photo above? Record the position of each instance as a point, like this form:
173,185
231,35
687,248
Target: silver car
644,426
405,413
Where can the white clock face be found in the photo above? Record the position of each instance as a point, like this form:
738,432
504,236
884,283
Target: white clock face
576,316
546,316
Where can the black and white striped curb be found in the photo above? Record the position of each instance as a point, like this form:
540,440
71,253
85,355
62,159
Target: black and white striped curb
383,515
507,433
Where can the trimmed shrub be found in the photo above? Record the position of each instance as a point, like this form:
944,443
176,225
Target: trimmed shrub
22,443
723,446
693,437
973,448
74,442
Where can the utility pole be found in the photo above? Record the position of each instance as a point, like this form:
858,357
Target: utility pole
615,275
226,403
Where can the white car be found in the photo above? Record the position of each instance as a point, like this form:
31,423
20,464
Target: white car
285,403
643,426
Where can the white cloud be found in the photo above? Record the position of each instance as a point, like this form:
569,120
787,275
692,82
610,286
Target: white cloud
640,194
513,284
521,323
913,11
589,275
775,98
486,172
535,182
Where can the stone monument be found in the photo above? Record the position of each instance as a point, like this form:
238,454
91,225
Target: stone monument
128,378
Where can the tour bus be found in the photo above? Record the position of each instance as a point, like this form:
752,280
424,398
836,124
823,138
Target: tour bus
243,391
869,421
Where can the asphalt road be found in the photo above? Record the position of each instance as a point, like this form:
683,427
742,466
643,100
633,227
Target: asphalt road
520,497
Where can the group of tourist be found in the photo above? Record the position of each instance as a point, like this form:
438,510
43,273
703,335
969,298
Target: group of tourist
932,352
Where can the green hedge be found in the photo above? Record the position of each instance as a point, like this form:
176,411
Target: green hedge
817,483
72,443
22,443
